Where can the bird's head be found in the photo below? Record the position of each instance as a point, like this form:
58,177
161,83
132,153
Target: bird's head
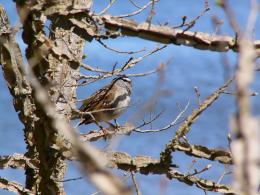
123,78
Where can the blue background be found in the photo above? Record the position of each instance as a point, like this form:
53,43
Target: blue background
188,68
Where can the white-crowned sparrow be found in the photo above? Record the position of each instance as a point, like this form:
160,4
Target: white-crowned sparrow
107,103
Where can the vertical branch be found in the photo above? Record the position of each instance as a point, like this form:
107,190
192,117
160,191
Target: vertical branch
51,165
11,60
246,145
55,71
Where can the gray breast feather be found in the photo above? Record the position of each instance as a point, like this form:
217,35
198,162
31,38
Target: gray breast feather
120,98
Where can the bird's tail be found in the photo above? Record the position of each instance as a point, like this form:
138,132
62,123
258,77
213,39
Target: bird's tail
75,115
84,119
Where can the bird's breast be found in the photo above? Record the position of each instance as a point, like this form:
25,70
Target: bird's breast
118,106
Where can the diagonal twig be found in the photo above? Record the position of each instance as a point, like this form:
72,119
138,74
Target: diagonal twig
185,127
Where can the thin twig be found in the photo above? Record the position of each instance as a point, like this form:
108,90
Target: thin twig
231,17
173,123
151,14
193,21
107,8
72,179
15,187
183,130
137,189
135,61
134,4
197,92
147,165
90,68
196,172
137,11
117,72
119,51
225,172
185,127
16,161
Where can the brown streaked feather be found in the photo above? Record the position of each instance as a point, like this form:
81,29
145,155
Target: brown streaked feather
105,98
92,101
97,101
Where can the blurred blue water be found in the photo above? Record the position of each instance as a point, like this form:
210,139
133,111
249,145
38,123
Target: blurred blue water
188,68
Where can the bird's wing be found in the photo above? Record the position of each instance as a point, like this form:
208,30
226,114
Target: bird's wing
97,100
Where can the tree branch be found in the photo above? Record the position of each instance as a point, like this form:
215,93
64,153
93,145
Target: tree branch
16,161
158,33
185,127
14,187
203,152
246,143
168,35
147,165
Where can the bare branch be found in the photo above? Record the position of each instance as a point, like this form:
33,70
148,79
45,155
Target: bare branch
173,123
133,62
151,14
118,51
16,161
203,152
137,11
225,172
203,184
196,172
137,189
13,187
246,144
197,92
159,33
73,179
168,35
134,4
190,24
90,68
117,72
91,160
185,127
90,157
96,135
128,128
107,8
231,16
147,165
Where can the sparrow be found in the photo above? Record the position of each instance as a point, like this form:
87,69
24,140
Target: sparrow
107,103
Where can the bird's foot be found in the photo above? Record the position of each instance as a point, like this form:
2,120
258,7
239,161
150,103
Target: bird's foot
113,127
104,130
117,124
